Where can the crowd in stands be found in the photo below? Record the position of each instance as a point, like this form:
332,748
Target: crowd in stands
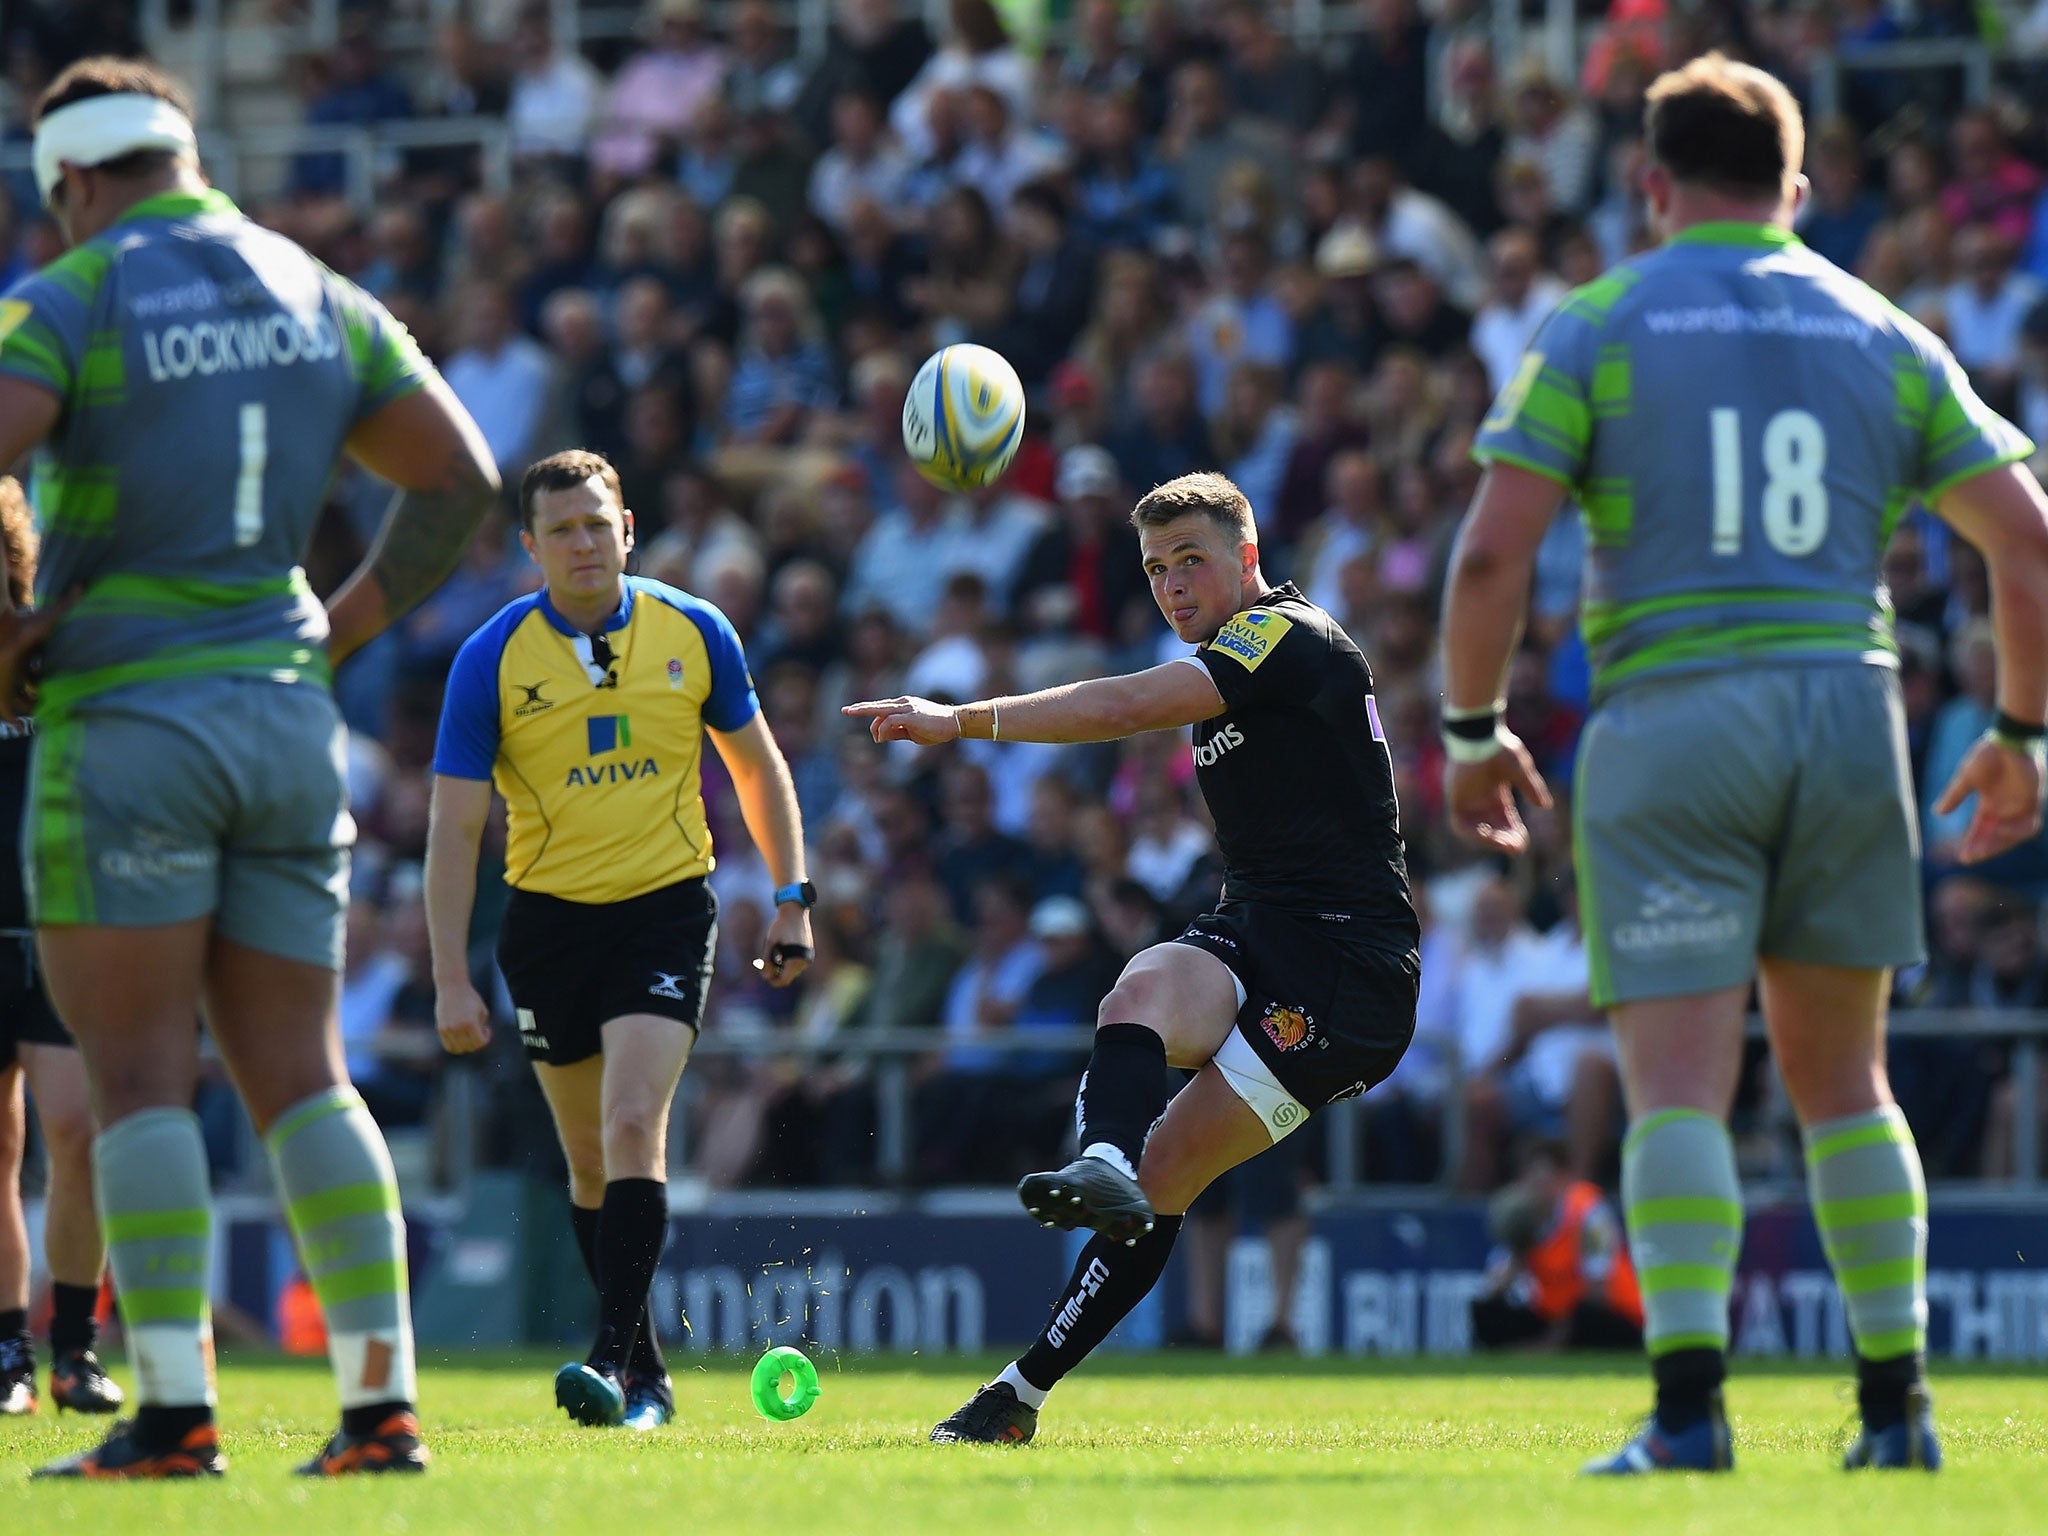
1202,246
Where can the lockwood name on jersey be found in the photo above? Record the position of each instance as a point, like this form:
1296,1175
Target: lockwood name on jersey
232,346
611,773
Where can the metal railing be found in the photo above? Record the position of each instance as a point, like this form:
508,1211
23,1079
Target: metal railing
1967,55
257,162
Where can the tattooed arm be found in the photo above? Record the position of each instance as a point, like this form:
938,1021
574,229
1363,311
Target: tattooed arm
426,445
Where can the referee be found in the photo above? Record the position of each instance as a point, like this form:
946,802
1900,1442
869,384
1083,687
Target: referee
587,704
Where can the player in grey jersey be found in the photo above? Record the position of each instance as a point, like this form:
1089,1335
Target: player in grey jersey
191,379
1742,425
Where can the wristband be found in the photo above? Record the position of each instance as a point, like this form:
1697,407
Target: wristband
1461,748
995,722
2013,732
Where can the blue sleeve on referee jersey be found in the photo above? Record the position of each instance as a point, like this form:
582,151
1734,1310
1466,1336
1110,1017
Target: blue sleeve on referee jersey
732,703
467,746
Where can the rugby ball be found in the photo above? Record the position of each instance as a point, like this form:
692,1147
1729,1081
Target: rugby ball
964,417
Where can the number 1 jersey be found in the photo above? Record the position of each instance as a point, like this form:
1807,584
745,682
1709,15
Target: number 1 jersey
210,373
1742,424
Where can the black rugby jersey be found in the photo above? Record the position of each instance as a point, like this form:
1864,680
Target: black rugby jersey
1297,774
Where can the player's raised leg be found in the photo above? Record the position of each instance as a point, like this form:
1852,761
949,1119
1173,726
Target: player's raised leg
131,996
1683,1204
1174,1005
1869,1194
1189,997
72,1243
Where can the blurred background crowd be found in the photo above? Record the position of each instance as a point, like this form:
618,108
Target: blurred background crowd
1203,245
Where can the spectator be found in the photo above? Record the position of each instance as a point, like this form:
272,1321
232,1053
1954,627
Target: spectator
1557,135
1560,1276
1126,197
759,74
1055,284
1254,434
972,273
1987,307
1204,140
802,626
966,1091
1242,322
501,376
403,259
1168,438
1992,185
658,93
1408,224
977,52
864,162
359,92
972,849
561,247
555,94
996,156
1839,217
1382,97
784,374
1267,76
1349,529
1522,298
903,561
588,397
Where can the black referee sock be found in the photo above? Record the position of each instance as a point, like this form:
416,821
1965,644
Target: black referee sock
646,1358
72,1324
1108,1282
1124,1090
631,1228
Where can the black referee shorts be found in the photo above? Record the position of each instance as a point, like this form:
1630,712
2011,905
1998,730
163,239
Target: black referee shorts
26,1017
1328,1014
572,965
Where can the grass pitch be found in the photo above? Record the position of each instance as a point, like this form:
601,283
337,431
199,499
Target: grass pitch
1172,1444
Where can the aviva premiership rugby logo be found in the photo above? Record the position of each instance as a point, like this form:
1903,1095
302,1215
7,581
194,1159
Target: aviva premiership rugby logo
1250,637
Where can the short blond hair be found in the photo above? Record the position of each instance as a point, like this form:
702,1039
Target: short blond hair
1204,494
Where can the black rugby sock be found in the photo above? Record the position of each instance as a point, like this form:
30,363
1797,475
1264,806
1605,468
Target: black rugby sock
1687,1380
631,1228
72,1324
646,1358
1109,1280
1881,1387
14,1323
1124,1089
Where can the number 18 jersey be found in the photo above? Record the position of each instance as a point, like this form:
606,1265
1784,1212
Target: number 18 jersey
1742,424
210,373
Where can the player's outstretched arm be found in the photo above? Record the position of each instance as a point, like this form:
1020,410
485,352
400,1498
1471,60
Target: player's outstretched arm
1485,601
455,829
2004,514
767,796
425,444
1101,709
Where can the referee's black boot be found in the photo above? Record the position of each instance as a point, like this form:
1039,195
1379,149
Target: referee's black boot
1090,1193
993,1416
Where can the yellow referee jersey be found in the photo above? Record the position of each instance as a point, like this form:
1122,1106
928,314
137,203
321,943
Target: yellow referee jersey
596,742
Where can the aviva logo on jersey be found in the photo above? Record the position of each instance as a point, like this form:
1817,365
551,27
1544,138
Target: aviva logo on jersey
1250,636
606,734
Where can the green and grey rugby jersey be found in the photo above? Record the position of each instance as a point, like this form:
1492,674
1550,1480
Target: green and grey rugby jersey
210,373
1742,424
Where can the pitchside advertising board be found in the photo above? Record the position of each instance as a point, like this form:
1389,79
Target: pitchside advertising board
1389,1283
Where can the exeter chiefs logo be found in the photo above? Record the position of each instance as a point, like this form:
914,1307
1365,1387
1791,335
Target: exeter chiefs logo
1286,1027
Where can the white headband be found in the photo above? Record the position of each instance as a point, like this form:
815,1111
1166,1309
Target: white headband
103,128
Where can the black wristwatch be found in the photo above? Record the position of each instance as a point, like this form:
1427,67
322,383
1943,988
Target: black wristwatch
803,893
